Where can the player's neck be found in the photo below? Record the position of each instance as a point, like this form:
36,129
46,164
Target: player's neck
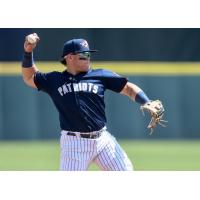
73,72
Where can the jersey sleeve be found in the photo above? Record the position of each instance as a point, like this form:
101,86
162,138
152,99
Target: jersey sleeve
43,81
114,81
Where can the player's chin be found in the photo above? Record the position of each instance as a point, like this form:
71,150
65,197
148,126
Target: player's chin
84,68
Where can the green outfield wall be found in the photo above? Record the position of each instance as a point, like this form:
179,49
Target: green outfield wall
26,113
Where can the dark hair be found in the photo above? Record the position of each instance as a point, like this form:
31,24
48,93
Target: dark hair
63,61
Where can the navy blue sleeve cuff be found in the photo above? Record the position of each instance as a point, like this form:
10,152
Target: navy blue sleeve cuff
141,98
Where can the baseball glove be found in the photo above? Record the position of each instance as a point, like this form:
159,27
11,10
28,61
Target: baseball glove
156,110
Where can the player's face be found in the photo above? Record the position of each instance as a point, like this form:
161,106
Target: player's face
81,61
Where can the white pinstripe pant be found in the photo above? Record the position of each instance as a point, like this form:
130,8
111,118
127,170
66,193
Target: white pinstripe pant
78,153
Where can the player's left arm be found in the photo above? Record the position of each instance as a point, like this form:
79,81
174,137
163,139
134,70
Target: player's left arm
135,93
155,108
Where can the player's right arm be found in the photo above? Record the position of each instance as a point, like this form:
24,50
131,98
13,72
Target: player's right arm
28,67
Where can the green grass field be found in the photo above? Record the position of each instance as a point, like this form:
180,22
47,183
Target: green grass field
145,155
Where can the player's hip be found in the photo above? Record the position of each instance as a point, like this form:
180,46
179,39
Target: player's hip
80,141
84,135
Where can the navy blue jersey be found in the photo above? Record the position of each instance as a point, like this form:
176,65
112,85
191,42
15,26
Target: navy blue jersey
79,99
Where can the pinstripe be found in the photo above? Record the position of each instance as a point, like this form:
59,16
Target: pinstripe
75,164
91,149
108,148
119,156
120,159
93,152
62,158
87,149
86,146
111,158
67,140
66,163
89,152
74,154
71,156
63,163
100,157
82,144
68,155
82,154
84,151
115,164
76,157
79,167
105,160
79,157
117,161
62,152
94,149
99,161
108,166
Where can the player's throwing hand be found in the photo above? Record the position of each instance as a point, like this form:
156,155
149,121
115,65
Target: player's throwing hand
31,42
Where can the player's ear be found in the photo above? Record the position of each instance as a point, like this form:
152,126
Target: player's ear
69,56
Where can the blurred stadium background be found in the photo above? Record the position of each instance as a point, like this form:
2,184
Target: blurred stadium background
165,63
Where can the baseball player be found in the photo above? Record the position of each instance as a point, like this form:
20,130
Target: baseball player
78,94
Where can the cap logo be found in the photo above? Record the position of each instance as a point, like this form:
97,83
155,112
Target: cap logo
84,43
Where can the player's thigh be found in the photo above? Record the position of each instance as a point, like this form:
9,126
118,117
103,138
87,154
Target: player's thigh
71,164
74,160
74,156
113,158
113,162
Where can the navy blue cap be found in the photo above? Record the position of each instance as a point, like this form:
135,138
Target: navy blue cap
75,46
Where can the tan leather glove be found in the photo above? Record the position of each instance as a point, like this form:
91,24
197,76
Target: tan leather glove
156,110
